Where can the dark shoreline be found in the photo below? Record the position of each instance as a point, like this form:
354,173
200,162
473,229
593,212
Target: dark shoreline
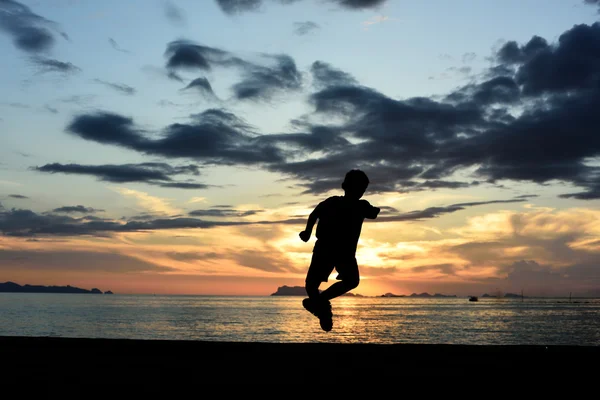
114,360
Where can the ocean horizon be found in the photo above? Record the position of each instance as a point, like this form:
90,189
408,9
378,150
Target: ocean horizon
282,319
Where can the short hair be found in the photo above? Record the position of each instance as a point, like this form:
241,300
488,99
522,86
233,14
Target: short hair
356,178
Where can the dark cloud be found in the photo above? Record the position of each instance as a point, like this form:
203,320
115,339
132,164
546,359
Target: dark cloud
119,87
593,3
75,209
184,54
201,85
239,6
113,43
359,4
498,90
512,53
17,196
27,223
258,81
214,136
29,31
222,212
304,28
556,86
261,82
46,65
159,174
325,75
174,14
403,144
434,212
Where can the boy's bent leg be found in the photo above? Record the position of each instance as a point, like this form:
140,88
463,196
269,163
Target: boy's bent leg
350,278
320,267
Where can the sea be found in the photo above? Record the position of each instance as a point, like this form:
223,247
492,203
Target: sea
282,319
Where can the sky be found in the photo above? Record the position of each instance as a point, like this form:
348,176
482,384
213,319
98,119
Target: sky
178,146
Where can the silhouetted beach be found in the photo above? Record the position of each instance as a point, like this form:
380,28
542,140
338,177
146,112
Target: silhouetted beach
117,361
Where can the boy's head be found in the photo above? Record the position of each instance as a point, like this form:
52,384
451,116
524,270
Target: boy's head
355,183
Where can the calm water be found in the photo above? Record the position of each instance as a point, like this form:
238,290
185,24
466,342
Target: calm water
282,319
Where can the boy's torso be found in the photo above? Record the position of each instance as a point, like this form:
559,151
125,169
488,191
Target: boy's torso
340,224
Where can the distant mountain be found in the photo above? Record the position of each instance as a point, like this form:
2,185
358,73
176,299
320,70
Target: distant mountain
11,287
299,291
427,295
507,295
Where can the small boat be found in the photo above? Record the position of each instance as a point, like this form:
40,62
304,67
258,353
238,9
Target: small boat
473,298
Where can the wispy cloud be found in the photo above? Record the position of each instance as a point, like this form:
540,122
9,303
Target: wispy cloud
49,65
174,13
150,203
378,19
304,28
115,45
76,209
119,87
158,174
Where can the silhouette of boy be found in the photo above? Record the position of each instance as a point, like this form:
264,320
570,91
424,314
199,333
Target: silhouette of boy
340,222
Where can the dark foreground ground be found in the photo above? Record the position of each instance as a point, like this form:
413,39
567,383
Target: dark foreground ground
138,362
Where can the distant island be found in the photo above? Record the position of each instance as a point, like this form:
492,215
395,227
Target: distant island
420,295
11,287
300,291
507,295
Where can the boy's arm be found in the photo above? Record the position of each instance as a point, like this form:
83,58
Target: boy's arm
371,212
312,219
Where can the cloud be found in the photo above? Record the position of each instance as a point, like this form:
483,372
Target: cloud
214,136
173,13
113,43
378,19
239,6
557,87
17,196
434,212
119,87
304,28
50,109
468,57
27,223
593,3
161,216
225,211
258,81
158,174
30,32
75,261
515,122
326,75
46,65
201,85
153,204
75,209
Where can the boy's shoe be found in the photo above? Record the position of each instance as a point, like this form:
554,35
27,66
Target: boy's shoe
322,310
